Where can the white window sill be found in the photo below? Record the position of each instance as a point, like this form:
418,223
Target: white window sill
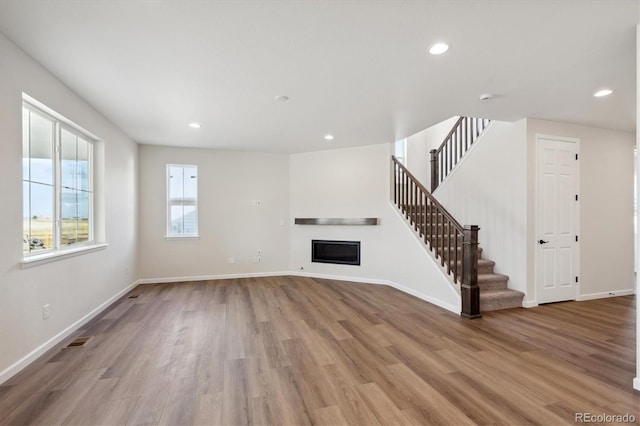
182,237
40,259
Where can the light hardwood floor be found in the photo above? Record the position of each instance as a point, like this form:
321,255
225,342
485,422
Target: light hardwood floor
291,350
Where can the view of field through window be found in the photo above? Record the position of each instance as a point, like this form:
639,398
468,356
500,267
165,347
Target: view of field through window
56,183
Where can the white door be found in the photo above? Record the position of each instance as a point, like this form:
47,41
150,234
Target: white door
557,239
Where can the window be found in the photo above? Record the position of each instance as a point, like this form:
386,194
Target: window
400,151
182,201
57,184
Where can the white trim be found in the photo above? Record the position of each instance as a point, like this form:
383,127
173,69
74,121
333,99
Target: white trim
57,116
605,294
636,383
41,259
23,362
464,157
529,303
444,305
211,277
182,237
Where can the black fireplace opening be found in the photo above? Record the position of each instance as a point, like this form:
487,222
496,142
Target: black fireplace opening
339,252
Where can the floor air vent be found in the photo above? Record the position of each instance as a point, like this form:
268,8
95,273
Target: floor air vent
80,341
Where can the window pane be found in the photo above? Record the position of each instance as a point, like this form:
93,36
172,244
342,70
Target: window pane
68,165
41,216
175,183
82,166
25,144
189,220
26,216
183,219
190,183
41,143
69,216
177,223
83,216
69,232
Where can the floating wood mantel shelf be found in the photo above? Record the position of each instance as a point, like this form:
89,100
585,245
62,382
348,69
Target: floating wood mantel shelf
357,221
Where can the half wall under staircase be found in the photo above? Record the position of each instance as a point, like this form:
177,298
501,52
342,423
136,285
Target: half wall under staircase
453,245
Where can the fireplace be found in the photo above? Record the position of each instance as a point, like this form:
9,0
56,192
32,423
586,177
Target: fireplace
339,252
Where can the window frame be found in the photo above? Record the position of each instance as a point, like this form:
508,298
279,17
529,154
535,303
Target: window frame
59,123
169,234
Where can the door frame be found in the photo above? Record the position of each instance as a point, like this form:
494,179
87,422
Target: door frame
536,255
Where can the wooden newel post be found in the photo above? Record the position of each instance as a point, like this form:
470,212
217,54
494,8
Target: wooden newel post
434,169
469,289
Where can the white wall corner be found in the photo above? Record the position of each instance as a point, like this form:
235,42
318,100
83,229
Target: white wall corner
636,383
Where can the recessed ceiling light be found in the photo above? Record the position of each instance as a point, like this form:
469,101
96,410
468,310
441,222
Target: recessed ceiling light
282,98
328,137
603,92
195,125
438,48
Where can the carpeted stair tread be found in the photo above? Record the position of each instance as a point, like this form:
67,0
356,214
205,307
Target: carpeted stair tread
493,300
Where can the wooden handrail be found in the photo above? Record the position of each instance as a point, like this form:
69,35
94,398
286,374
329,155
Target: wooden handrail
455,245
458,141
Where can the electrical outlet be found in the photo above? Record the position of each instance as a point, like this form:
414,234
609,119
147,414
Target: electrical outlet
258,203
259,252
46,311
231,260
259,259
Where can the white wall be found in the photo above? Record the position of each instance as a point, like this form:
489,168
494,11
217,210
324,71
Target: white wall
419,145
229,224
487,189
354,182
74,287
606,206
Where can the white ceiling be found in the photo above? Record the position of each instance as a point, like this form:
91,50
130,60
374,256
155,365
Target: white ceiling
357,69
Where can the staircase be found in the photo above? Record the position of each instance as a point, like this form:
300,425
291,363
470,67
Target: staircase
454,245
494,293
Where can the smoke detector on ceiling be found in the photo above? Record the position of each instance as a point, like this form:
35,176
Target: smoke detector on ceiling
486,97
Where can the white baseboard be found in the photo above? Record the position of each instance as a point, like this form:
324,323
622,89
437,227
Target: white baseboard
529,303
339,278
604,294
210,277
444,305
14,368
636,383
